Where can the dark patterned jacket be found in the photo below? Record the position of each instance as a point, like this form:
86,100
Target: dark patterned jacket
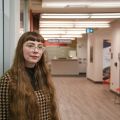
43,98
4,97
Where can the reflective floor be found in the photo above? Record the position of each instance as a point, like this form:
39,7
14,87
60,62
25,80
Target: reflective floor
81,99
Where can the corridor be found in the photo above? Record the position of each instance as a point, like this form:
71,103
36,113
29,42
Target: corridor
81,99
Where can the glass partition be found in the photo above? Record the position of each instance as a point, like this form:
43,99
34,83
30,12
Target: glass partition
1,37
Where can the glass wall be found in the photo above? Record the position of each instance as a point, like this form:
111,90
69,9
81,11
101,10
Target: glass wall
9,32
1,37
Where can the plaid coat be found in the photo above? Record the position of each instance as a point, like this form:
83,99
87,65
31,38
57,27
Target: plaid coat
43,98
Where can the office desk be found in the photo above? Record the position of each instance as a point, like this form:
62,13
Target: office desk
65,67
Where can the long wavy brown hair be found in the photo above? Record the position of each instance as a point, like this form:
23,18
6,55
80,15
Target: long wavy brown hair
23,103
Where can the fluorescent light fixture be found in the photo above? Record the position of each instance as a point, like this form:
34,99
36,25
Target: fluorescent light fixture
92,25
105,15
72,22
76,16
70,38
52,4
56,25
61,29
60,36
61,16
75,25
66,26
62,32
68,4
104,5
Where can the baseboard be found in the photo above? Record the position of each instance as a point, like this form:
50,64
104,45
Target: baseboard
65,75
98,82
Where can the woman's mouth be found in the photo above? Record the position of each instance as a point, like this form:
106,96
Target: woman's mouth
34,57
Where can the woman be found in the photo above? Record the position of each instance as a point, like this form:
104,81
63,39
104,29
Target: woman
26,90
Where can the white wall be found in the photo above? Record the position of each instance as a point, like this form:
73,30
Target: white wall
90,65
94,69
115,78
82,47
82,53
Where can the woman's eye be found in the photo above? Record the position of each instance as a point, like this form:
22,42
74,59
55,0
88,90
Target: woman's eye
40,47
30,46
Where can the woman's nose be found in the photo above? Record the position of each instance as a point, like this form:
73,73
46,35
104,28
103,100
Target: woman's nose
35,49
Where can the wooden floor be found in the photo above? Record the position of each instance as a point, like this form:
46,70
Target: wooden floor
81,99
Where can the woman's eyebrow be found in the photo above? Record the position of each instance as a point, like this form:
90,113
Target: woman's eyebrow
34,43
40,44
30,43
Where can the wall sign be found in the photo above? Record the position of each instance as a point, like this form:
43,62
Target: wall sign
89,30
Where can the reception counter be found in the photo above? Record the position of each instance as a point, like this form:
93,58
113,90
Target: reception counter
65,67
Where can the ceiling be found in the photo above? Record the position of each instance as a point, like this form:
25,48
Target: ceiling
61,26
78,6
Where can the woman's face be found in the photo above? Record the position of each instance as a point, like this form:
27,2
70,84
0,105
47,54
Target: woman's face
32,52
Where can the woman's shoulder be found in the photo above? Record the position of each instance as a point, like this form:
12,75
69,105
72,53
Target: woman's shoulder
44,90
5,77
